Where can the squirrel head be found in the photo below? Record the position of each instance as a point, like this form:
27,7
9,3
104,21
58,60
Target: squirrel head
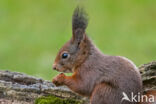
76,50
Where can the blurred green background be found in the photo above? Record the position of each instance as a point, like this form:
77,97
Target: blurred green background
32,31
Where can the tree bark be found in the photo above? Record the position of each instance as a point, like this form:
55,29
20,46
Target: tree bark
18,88
148,72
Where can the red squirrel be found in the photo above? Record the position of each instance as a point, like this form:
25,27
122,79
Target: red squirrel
102,78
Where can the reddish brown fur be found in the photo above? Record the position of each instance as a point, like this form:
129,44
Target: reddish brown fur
100,77
148,94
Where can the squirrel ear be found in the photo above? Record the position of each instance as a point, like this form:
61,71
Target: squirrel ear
79,24
78,35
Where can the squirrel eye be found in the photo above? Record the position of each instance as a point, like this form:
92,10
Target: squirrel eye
64,55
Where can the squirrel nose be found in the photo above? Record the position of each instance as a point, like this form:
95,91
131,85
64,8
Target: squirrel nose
54,66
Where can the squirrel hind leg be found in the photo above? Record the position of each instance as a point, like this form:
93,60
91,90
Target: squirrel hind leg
106,94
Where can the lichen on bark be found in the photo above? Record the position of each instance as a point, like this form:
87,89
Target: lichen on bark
56,100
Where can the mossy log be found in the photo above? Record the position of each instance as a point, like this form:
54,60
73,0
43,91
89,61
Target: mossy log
18,88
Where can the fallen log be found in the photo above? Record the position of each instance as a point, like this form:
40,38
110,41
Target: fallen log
19,88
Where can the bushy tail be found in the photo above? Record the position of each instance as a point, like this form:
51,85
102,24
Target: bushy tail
150,95
80,19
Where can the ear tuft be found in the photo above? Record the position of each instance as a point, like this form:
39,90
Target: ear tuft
79,20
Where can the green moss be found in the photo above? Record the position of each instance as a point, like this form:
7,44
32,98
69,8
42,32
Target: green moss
56,100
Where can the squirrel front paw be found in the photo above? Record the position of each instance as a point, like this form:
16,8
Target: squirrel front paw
59,79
